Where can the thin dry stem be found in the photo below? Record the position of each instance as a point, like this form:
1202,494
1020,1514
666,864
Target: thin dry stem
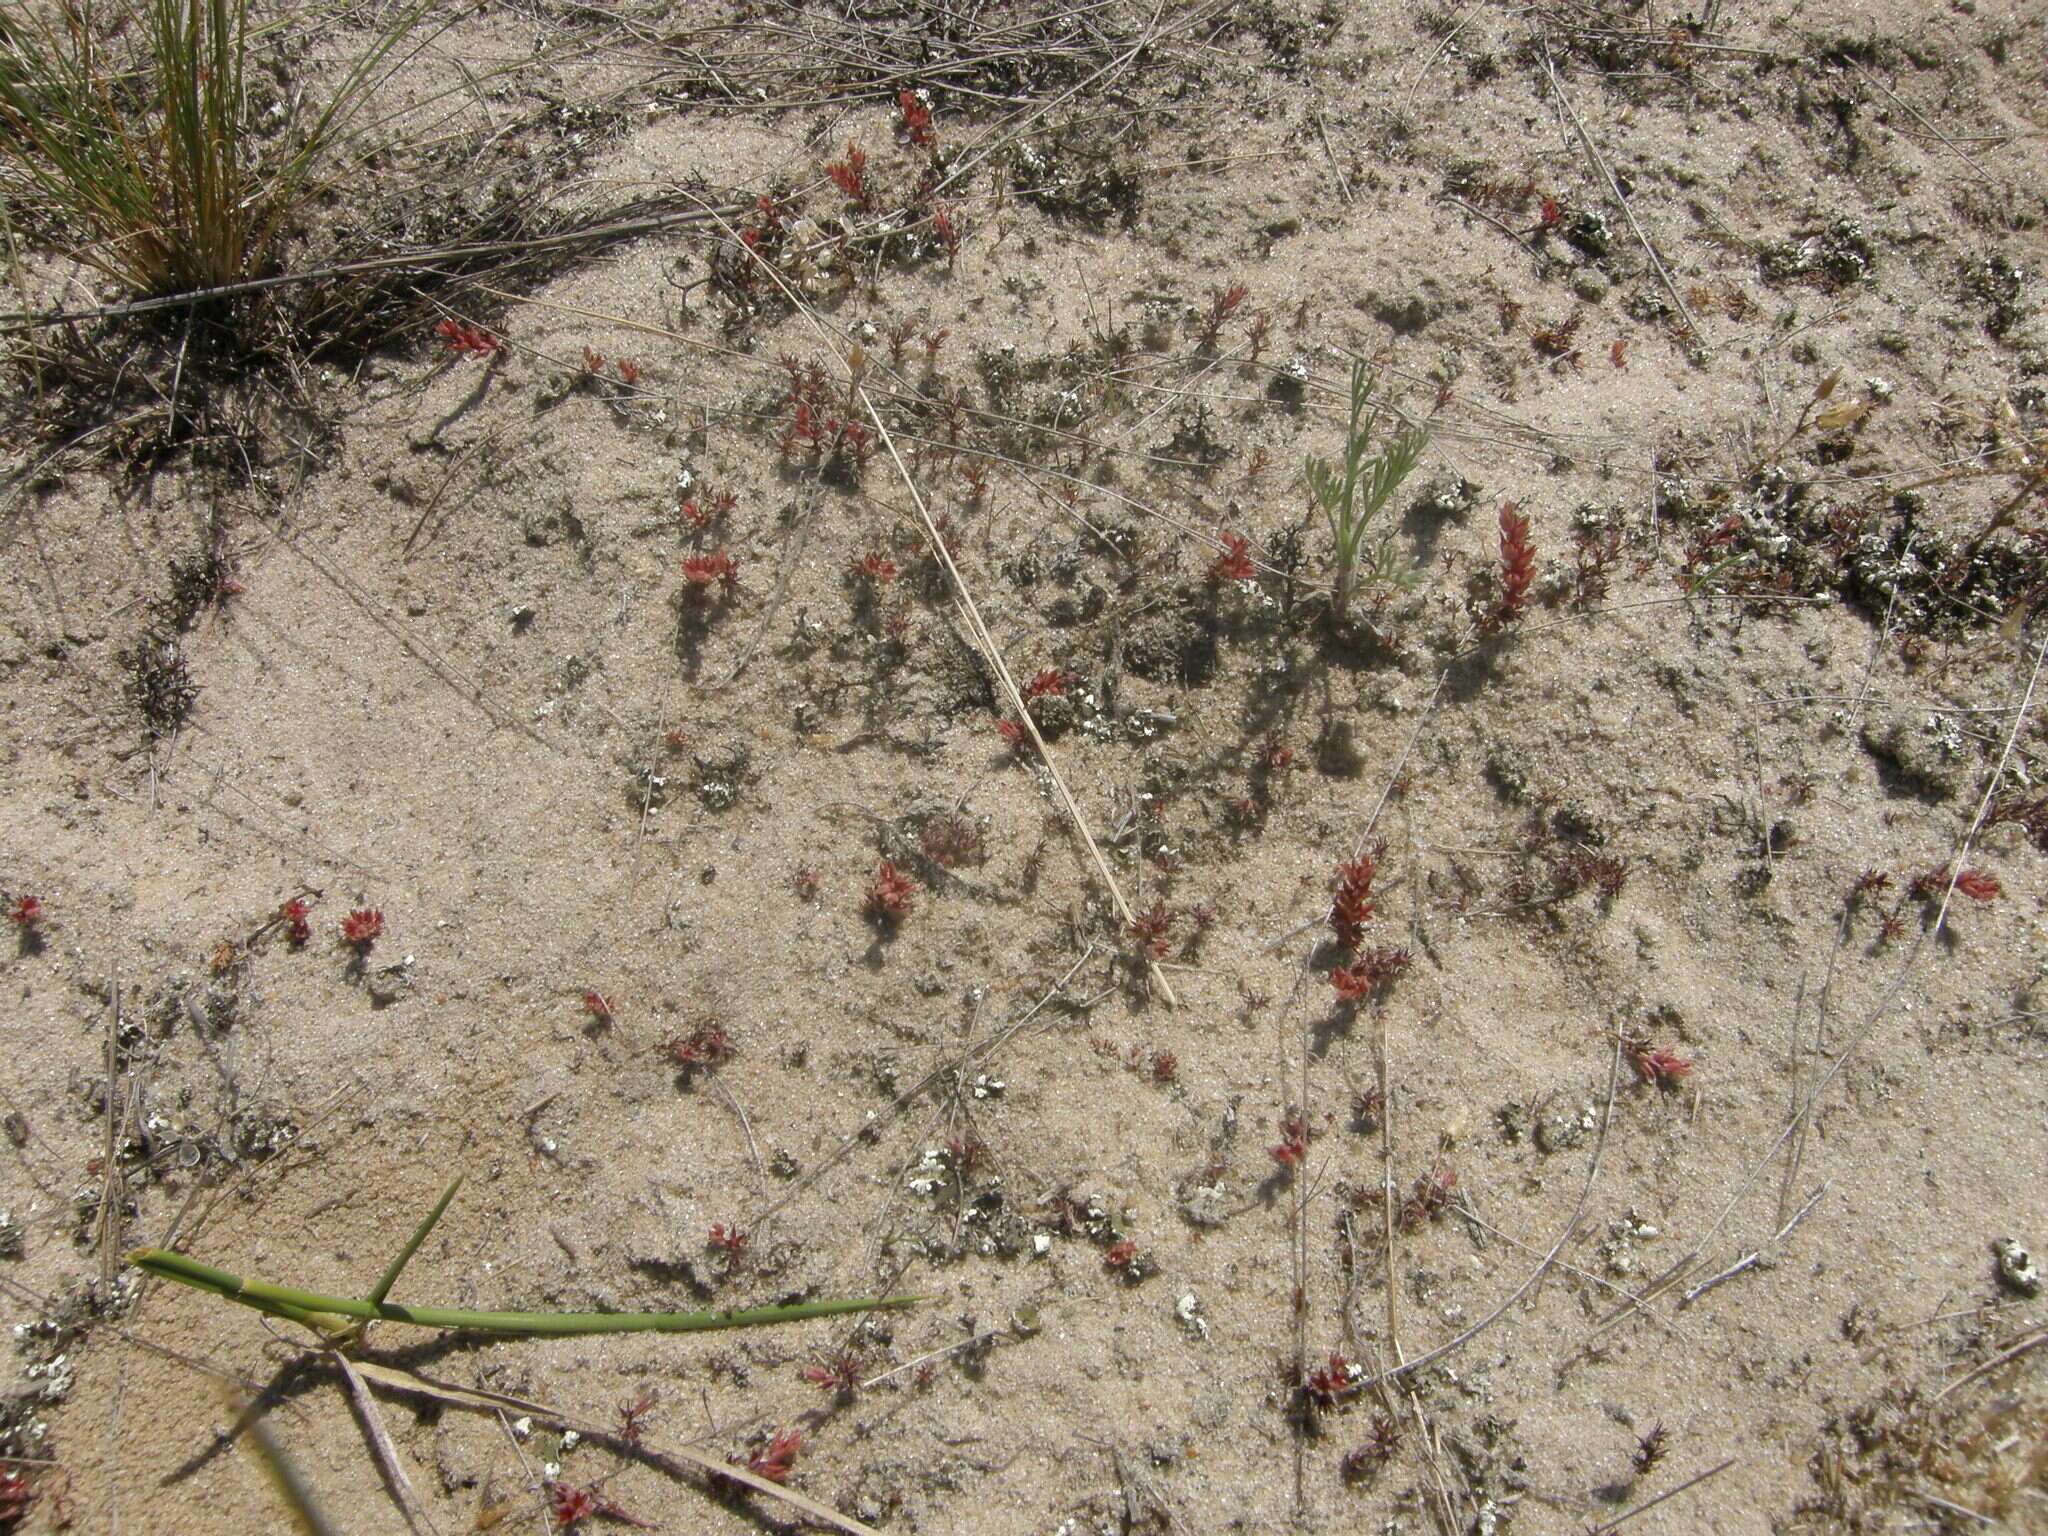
1669,1493
1614,190
1015,695
1957,859
403,1494
1549,1258
2031,1342
945,1072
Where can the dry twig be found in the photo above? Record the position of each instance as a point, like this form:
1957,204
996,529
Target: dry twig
1614,189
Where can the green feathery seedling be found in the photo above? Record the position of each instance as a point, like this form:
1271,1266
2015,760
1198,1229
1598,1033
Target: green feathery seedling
1352,499
341,1320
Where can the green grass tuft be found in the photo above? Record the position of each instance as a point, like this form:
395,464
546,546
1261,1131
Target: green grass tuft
130,130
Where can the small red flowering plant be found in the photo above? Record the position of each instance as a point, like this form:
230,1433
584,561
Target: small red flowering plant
362,928
889,898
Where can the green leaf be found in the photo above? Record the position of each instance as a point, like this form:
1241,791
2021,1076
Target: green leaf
412,1244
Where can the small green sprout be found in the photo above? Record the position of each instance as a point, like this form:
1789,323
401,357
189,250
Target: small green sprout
1352,498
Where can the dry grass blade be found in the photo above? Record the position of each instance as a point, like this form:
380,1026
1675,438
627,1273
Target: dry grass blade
1915,113
1014,695
1470,1215
108,1220
1005,56
2030,1343
1884,1004
441,262
1991,786
402,1491
822,1513
495,1402
1670,1493
1008,132
1549,1258
447,1392
946,1072
1621,201
1756,1256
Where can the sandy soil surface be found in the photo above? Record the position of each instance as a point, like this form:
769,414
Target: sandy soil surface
1696,1077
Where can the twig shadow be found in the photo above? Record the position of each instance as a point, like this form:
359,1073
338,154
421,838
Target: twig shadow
302,1374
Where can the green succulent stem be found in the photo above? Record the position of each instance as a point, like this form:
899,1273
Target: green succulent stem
342,1319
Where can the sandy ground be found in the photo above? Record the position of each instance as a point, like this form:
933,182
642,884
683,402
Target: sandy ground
465,679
